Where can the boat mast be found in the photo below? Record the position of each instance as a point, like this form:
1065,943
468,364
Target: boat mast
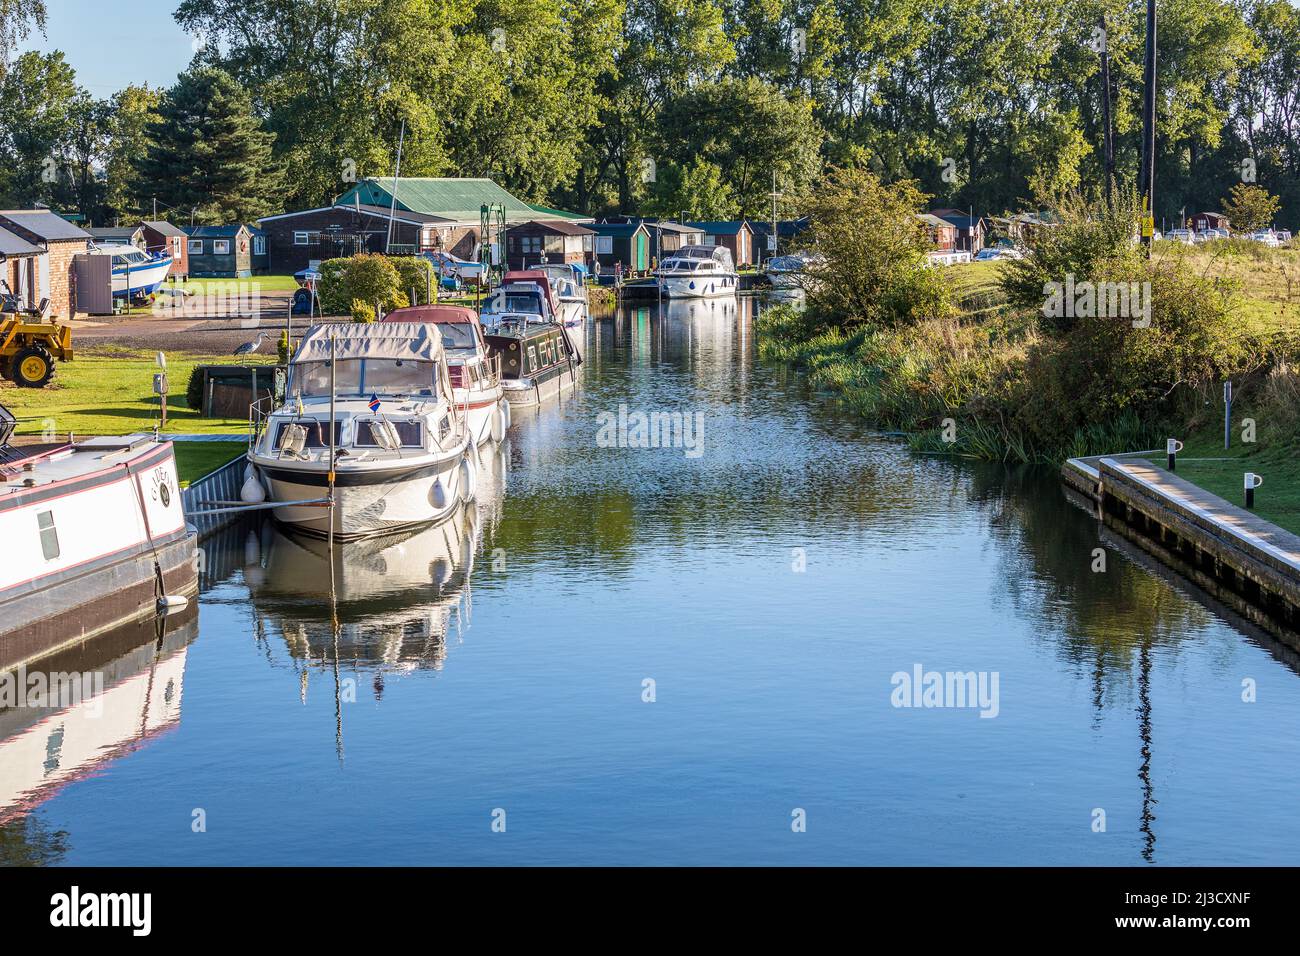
397,172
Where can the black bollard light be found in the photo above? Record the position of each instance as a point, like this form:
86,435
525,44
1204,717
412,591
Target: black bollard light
1172,447
1252,482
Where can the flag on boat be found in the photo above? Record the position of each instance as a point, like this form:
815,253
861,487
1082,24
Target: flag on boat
374,403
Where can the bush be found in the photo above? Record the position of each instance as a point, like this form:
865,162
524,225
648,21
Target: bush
369,277
194,389
362,311
415,274
875,270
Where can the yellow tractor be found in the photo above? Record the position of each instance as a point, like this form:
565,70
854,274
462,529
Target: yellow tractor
29,345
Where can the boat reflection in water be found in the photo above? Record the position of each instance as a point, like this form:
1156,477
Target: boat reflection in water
69,715
386,603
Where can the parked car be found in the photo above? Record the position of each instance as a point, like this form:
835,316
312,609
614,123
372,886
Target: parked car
1209,235
1266,236
1283,236
1181,235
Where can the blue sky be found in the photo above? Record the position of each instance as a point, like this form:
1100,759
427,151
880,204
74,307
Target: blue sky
113,44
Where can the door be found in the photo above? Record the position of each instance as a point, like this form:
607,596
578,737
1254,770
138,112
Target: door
640,252
93,276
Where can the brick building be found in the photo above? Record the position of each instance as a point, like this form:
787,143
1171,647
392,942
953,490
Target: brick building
49,275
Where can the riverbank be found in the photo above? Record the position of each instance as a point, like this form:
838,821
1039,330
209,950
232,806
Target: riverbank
988,379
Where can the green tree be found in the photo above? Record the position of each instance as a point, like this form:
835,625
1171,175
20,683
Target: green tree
131,112
695,191
1250,207
208,151
37,93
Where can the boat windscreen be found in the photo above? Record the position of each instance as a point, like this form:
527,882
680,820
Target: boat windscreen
457,335
365,377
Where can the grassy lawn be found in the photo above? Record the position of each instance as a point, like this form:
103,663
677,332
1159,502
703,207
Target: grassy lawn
265,283
1273,456
110,392
194,459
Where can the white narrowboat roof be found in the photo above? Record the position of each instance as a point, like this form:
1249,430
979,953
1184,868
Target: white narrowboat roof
86,457
402,341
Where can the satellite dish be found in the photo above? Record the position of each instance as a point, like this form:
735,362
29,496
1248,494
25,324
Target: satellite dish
161,359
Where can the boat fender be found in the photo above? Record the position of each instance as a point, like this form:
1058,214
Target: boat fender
468,478
438,495
498,425
505,415
172,602
252,493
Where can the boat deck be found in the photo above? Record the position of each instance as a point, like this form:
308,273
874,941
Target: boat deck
48,465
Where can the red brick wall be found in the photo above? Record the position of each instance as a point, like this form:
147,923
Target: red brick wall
63,293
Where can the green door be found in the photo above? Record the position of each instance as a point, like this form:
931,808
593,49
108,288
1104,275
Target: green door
640,252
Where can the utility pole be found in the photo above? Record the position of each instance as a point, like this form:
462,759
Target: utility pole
1147,181
1107,133
771,242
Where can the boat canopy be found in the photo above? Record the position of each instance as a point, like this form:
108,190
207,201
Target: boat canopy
398,341
718,254
445,314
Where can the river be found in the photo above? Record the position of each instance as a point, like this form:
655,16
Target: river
683,655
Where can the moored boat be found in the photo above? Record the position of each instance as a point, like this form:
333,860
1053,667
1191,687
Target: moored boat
538,359
697,272
397,448
475,372
94,536
567,282
792,271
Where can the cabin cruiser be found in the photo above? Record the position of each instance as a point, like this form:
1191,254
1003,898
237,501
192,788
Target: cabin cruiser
697,271
136,274
94,536
567,282
792,271
475,372
398,446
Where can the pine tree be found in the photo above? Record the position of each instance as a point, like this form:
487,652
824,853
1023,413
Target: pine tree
208,152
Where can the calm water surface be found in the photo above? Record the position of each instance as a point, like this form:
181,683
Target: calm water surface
770,588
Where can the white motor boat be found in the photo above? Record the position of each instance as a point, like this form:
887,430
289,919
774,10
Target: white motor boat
792,271
398,446
568,286
136,274
475,373
698,271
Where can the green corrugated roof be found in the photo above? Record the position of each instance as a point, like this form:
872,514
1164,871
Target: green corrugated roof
555,213
446,198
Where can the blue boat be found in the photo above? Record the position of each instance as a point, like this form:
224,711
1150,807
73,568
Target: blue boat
136,274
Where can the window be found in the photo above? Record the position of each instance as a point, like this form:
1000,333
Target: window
410,433
196,247
604,245
259,245
529,244
49,536
306,238
221,247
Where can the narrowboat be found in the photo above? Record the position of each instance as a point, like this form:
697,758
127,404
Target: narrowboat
698,271
371,405
538,360
475,372
94,537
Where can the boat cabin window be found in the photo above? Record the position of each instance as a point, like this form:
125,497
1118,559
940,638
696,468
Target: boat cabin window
49,535
318,435
409,432
523,303
457,335
366,377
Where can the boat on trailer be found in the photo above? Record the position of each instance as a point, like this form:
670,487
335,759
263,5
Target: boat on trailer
136,274
475,372
370,406
698,271
94,536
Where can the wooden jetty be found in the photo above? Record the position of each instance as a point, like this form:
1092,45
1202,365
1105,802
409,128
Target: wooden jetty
1233,547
